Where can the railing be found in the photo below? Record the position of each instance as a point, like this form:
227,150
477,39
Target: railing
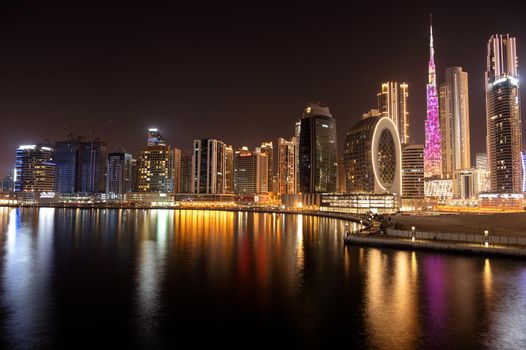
460,237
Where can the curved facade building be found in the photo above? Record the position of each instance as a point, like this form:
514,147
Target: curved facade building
372,157
318,163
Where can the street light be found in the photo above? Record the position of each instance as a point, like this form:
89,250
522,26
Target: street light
413,234
361,225
347,229
486,238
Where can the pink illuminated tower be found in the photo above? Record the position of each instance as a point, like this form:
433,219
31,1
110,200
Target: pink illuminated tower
432,151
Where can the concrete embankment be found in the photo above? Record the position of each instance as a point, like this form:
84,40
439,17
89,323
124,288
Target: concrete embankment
447,247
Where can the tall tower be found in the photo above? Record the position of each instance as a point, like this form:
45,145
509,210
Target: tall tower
318,163
503,118
432,152
392,103
454,122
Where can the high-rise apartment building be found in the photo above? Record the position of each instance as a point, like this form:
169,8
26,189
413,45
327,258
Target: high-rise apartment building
35,169
454,122
156,165
503,118
318,162
287,171
392,103
208,167
118,174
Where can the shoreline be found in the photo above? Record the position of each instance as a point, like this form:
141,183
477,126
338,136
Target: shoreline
347,217
447,247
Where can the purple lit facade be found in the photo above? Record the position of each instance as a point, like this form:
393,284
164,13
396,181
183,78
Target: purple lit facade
432,151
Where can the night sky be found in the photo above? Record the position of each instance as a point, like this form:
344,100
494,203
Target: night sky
238,72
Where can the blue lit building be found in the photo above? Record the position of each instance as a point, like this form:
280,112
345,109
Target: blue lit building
35,169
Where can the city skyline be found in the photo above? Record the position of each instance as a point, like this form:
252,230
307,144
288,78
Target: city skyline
181,114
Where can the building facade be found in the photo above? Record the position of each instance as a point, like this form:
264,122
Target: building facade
287,171
118,174
268,149
35,169
318,163
392,103
372,157
503,118
208,167
229,169
413,171
156,165
454,122
250,172
433,150
186,171
80,166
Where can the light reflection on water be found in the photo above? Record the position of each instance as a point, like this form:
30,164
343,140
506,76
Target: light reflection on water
150,278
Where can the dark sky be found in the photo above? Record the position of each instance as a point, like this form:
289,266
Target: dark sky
239,72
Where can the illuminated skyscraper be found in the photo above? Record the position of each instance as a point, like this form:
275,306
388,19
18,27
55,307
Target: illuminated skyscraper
156,165
208,166
268,149
432,151
250,171
503,118
413,171
35,169
392,103
454,122
229,170
287,172
372,157
318,161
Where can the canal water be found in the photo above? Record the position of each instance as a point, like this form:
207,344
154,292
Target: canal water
82,278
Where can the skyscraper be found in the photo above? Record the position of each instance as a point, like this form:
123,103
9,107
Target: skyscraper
318,163
186,171
229,169
176,167
392,103
454,122
413,171
208,166
156,165
250,171
372,157
503,119
35,169
118,174
92,167
80,166
432,151
268,149
287,172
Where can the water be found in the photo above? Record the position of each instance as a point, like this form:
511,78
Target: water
75,278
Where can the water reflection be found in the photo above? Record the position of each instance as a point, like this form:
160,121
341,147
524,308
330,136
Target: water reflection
26,277
153,277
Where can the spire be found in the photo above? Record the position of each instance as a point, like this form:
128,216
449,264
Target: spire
431,48
431,67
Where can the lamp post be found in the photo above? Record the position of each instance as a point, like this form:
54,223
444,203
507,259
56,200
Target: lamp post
412,233
346,228
361,225
486,238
